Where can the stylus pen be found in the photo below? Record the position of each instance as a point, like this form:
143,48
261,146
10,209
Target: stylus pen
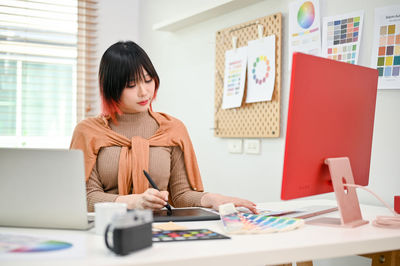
169,212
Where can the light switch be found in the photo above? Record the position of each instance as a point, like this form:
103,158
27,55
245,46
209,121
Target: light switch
235,145
252,146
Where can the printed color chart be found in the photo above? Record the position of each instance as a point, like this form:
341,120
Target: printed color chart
388,63
234,77
386,46
260,69
304,28
342,35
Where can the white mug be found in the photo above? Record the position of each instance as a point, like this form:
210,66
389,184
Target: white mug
104,212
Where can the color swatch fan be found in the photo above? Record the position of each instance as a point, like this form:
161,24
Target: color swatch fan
235,222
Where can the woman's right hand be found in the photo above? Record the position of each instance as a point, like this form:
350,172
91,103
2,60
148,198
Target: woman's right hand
150,199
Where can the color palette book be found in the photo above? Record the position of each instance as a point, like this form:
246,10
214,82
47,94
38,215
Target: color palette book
235,222
342,37
186,235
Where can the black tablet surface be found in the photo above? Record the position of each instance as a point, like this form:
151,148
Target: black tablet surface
185,214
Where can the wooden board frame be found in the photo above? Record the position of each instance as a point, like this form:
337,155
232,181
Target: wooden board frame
251,120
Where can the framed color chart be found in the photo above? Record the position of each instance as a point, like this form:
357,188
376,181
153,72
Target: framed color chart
252,119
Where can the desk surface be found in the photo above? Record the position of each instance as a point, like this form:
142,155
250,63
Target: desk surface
307,243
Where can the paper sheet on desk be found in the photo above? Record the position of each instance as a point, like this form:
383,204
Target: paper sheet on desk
30,246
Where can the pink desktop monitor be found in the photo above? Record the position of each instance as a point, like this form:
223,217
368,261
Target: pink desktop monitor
331,115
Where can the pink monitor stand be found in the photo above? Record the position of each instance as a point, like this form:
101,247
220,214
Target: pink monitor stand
347,200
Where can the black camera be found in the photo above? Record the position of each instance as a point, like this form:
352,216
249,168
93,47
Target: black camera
129,232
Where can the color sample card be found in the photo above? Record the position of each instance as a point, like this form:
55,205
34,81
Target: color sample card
304,28
29,244
342,36
260,69
386,49
186,235
235,77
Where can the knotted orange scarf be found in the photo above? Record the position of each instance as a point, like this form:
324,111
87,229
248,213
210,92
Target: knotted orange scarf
93,133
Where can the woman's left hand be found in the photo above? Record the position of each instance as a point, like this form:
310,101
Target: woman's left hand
213,200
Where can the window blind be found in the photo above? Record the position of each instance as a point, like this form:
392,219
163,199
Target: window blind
47,70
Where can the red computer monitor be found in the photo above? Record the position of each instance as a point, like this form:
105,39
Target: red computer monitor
331,114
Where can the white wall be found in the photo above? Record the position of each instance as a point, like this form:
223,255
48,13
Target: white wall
118,21
185,63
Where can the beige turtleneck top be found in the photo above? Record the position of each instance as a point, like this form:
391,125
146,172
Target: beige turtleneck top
166,166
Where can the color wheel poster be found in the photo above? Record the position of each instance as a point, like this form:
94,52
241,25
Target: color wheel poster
304,28
386,47
260,69
235,77
342,36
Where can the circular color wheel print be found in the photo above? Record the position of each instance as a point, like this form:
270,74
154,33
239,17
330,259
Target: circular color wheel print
306,15
262,77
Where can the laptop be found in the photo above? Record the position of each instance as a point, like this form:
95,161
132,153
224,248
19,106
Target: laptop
43,188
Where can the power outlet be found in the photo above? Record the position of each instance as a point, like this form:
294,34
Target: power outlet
235,145
252,146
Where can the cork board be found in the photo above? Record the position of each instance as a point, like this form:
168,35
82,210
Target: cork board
251,120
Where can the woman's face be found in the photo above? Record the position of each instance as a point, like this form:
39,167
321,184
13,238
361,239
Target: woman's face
136,97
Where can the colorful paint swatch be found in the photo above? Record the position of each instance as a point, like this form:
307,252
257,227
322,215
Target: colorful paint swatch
341,39
186,235
389,51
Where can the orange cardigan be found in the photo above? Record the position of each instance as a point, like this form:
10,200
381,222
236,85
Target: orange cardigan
93,133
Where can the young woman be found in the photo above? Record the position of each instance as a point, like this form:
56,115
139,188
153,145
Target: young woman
128,137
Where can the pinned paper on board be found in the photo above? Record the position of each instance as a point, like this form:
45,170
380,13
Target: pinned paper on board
342,37
304,28
260,69
235,77
386,47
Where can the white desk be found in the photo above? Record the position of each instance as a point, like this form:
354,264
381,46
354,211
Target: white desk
307,243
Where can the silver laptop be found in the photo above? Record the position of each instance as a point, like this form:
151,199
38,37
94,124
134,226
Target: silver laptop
43,188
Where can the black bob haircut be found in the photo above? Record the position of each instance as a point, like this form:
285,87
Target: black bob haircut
122,63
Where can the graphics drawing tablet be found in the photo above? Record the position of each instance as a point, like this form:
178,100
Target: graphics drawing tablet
185,214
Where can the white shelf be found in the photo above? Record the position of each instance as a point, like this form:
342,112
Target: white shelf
214,10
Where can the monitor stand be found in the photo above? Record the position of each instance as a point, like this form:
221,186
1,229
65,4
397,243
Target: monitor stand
346,197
